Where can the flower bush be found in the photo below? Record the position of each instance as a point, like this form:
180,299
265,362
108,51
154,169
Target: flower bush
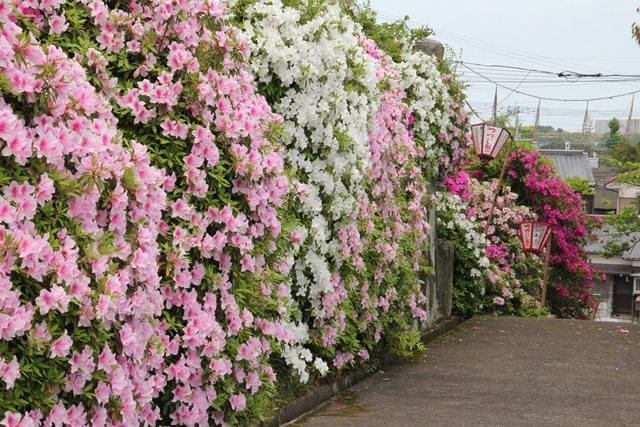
494,275
362,215
152,287
305,73
572,274
470,261
531,190
184,203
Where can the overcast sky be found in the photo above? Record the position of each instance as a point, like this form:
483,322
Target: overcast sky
539,39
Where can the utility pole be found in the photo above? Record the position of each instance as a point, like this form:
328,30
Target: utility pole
516,111
517,123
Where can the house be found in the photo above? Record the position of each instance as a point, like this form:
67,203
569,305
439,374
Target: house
571,163
618,291
574,163
627,195
605,200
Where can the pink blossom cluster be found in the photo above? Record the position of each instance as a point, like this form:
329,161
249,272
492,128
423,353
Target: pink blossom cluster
72,139
389,225
548,199
397,195
504,274
144,256
562,207
453,144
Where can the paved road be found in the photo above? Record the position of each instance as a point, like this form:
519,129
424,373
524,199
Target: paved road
503,371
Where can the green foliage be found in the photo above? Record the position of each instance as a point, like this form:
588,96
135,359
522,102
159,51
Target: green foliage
623,226
580,185
622,230
624,152
394,38
614,126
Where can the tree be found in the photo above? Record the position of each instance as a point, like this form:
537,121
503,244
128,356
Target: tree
625,152
504,119
526,132
393,37
614,137
614,126
635,29
625,224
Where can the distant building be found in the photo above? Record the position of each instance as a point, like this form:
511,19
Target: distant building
618,292
605,200
627,194
571,163
602,127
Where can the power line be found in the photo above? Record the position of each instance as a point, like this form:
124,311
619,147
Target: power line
490,47
547,98
527,81
506,69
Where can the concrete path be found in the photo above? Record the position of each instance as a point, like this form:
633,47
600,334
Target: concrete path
503,371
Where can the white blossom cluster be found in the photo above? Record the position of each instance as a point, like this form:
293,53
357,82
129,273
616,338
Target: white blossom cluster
476,241
316,60
330,98
423,83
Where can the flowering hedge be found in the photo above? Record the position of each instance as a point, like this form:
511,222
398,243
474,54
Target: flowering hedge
350,136
531,190
175,217
141,240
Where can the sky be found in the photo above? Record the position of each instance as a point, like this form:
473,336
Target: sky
525,45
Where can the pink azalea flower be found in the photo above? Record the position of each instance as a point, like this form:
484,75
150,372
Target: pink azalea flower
221,367
10,372
11,419
364,354
61,346
253,382
82,362
57,24
238,402
57,416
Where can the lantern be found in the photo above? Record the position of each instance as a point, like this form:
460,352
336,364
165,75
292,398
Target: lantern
488,140
534,235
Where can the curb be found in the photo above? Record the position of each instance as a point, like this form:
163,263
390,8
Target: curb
317,397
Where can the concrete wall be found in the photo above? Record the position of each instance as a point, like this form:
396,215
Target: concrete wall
444,277
604,291
438,285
